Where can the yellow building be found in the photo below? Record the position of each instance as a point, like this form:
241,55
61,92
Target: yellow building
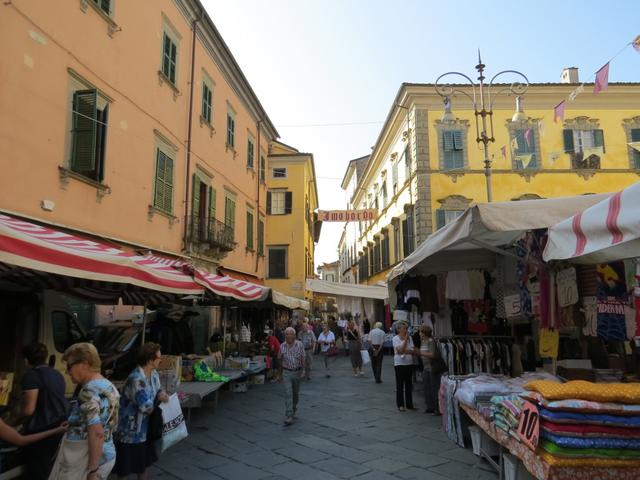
292,230
426,168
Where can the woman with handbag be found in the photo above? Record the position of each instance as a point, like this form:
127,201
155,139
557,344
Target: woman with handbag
137,429
433,369
355,345
87,451
327,342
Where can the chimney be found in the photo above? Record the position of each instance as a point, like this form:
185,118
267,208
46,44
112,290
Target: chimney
569,75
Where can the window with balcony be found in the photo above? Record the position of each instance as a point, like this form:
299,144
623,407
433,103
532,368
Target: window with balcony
230,213
525,149
632,131
584,142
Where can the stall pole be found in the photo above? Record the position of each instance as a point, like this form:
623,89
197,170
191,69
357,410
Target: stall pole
224,333
144,323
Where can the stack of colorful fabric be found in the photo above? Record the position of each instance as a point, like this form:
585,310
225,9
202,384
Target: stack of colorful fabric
588,424
505,413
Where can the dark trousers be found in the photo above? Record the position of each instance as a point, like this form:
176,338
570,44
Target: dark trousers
40,457
404,386
431,384
376,364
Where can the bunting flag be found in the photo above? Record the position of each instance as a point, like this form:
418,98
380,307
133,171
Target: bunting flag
602,79
503,151
514,144
636,43
527,136
525,159
635,145
576,92
558,111
588,151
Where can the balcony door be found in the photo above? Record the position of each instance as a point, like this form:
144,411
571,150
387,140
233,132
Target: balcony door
202,209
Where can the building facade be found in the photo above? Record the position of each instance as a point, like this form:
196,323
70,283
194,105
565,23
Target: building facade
132,121
330,272
426,167
292,229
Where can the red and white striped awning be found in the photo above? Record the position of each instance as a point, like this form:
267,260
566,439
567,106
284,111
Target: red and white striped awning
42,249
605,232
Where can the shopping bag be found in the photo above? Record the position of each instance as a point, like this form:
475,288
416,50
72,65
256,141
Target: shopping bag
174,426
365,357
333,351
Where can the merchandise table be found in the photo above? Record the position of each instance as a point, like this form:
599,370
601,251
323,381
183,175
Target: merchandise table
547,467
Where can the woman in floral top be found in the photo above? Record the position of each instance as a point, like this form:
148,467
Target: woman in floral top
139,397
88,450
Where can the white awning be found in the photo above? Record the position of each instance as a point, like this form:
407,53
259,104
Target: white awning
347,289
605,232
292,303
471,241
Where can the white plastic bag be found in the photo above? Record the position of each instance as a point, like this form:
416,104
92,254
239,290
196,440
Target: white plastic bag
174,426
365,357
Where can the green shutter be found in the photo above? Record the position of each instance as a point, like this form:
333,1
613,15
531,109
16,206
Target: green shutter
158,200
260,237
568,141
288,202
168,180
268,203
212,204
598,139
195,198
250,230
85,112
440,218
447,141
457,140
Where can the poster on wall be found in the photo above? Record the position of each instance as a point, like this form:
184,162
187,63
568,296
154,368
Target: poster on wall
612,298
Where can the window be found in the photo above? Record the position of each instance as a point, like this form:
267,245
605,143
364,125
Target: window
163,195
396,241
407,234
169,57
203,208
407,163
525,155
394,177
104,5
635,153
452,149
89,134
263,166
250,153
279,202
585,146
230,214
385,250
444,217
207,102
384,194
277,262
250,244
261,236
279,173
231,130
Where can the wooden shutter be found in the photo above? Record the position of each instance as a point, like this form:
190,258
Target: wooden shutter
195,198
288,200
260,237
158,200
268,203
85,113
635,155
168,181
440,218
598,139
568,141
212,204
101,141
457,140
447,141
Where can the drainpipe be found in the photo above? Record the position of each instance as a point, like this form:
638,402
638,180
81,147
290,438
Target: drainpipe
259,157
190,125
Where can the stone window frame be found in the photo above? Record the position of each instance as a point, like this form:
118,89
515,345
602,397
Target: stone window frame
582,122
453,203
456,125
533,124
527,196
629,124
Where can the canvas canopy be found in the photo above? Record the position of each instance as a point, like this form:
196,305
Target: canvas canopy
604,232
473,239
347,289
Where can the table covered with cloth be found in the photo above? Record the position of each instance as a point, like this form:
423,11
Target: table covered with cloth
545,466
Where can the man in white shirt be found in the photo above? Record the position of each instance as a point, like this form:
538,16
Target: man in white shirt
376,345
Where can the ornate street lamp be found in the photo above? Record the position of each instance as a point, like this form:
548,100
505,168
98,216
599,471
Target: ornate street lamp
483,107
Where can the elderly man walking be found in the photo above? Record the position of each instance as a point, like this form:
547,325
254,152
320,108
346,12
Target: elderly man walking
376,342
308,339
292,358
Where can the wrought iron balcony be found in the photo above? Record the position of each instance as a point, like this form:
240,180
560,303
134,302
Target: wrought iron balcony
206,233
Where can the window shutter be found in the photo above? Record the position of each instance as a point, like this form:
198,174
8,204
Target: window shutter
457,140
598,139
195,197
447,141
268,203
159,185
85,110
101,144
635,135
568,141
168,180
212,204
288,200
440,218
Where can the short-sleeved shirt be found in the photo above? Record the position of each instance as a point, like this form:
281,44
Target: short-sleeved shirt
292,356
52,407
376,336
405,358
308,338
136,403
97,402
326,339
428,346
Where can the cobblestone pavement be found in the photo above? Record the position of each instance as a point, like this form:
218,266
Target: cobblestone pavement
348,428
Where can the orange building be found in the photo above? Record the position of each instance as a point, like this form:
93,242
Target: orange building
132,121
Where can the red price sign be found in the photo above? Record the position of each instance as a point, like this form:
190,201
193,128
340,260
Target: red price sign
529,428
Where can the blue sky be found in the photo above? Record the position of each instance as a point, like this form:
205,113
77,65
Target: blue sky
342,61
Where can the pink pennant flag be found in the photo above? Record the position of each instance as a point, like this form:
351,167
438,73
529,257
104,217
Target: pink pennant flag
503,151
527,136
636,43
558,111
602,79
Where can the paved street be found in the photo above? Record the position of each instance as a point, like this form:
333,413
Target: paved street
348,428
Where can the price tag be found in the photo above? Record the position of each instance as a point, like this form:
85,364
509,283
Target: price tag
529,428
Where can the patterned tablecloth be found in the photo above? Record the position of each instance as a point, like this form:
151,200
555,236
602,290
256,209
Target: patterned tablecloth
542,469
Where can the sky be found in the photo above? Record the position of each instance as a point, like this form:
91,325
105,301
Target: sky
327,71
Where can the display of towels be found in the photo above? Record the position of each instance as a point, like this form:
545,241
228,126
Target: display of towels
505,413
588,421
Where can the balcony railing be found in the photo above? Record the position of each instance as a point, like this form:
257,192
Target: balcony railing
210,233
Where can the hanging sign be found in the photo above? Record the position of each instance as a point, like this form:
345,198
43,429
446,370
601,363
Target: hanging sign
512,306
529,427
347,215
567,287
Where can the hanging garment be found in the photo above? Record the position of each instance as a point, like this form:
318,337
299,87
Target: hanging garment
567,284
429,294
590,307
476,284
458,286
612,298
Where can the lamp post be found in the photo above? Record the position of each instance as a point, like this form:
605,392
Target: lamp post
482,102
